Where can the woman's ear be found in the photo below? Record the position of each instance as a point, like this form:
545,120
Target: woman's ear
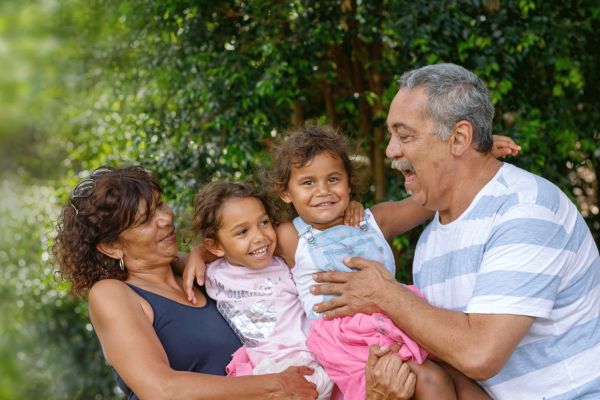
112,250
214,247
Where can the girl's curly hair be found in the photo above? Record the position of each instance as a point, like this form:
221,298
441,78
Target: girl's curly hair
299,146
98,210
210,200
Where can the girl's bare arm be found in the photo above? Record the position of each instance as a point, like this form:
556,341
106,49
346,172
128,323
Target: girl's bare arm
287,243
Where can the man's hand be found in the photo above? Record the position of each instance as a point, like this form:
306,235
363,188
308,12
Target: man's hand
358,292
387,377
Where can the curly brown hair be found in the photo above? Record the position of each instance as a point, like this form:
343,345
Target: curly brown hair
299,146
210,200
107,206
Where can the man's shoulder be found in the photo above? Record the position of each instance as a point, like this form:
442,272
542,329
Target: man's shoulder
524,188
512,179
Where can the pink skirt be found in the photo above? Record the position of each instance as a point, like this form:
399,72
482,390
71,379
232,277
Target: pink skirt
342,346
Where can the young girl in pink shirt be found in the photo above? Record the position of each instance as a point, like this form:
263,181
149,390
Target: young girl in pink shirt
253,288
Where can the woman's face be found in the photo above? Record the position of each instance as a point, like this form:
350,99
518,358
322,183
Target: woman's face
151,241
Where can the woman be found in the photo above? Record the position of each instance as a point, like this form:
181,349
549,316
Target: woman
116,240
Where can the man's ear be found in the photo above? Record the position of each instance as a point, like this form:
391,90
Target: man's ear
461,138
214,247
112,250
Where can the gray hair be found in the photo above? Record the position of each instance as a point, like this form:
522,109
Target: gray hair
454,94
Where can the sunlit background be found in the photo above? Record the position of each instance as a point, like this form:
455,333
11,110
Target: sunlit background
200,89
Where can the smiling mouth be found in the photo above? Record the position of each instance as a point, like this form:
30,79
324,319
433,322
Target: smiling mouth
324,204
409,177
170,236
406,169
260,252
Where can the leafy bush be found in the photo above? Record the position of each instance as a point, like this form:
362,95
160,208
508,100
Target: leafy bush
201,91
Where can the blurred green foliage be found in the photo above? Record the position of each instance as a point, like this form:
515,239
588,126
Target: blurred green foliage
47,347
199,90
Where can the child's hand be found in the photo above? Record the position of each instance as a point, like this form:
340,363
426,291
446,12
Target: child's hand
354,213
504,146
194,269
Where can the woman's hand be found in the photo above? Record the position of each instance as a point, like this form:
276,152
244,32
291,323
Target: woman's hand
194,270
354,213
387,377
293,385
504,146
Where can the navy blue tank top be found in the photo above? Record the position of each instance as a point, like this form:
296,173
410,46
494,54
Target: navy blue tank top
195,339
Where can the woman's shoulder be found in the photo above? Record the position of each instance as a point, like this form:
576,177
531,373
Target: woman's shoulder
111,298
108,285
109,291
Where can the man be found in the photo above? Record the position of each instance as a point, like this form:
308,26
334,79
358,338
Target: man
509,269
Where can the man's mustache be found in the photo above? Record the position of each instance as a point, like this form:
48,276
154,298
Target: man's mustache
402,165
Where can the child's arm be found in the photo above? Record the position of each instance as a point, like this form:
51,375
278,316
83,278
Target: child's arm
396,217
195,267
287,243
504,146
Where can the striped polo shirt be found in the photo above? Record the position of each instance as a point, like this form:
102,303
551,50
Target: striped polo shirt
522,248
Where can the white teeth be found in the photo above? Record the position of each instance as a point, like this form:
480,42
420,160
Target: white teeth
260,252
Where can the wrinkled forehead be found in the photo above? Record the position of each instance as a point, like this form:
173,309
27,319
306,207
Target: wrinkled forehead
407,105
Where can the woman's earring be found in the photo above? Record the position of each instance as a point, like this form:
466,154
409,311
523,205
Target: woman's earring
121,264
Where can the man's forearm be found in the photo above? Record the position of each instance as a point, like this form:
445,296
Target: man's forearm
441,332
476,344
452,336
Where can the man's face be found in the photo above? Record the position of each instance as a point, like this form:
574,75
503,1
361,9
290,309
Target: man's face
416,150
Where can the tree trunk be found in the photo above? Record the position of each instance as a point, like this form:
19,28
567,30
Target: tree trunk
374,78
332,115
379,163
297,118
